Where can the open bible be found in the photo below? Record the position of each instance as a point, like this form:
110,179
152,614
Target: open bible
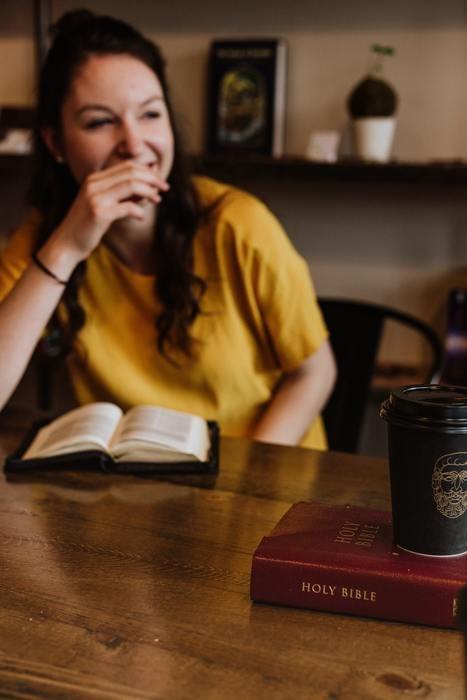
146,438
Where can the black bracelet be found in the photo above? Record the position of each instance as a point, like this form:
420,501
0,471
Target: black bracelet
48,272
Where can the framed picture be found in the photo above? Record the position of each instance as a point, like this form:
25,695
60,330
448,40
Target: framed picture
247,97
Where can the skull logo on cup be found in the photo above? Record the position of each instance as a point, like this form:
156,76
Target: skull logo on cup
449,483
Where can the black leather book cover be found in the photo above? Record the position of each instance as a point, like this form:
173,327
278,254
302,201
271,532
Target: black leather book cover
95,460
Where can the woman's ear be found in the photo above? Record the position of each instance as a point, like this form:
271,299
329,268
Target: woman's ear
51,141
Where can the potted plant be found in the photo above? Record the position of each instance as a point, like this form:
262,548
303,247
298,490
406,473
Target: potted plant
372,105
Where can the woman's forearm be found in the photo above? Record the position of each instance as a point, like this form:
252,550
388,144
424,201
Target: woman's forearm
298,400
24,313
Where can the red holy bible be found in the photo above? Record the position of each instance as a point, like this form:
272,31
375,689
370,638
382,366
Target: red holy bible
341,559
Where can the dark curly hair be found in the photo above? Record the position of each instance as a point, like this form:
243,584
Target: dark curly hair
77,36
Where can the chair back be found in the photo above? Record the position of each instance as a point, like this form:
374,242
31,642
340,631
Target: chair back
355,333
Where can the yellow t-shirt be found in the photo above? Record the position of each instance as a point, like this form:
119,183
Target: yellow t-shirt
259,318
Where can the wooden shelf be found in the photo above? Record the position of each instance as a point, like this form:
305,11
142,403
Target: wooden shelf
452,172
11,164
432,172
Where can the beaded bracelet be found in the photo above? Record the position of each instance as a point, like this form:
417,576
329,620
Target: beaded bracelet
48,272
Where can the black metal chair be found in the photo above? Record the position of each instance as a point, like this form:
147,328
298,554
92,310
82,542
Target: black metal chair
355,333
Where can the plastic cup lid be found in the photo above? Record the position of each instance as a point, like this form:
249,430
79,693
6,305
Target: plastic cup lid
428,404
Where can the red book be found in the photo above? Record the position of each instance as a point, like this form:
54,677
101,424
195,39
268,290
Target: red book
342,559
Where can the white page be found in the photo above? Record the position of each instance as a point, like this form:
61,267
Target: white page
87,427
182,433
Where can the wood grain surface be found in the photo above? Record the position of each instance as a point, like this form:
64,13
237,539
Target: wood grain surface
124,587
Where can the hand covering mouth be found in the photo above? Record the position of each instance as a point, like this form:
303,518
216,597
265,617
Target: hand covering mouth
136,198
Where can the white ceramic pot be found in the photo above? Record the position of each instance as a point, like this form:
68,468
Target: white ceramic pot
373,137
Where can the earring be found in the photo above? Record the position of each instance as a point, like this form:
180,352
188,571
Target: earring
60,159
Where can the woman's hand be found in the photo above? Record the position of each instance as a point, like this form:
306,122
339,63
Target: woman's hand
105,196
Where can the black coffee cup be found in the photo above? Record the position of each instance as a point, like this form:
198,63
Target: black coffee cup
427,444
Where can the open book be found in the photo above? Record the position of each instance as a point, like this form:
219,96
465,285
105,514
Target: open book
145,435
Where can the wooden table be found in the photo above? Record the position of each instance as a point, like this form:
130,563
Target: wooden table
126,587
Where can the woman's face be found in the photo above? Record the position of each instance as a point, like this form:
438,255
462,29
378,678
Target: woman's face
115,110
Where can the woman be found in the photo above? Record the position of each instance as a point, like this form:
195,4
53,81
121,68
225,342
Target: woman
160,288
